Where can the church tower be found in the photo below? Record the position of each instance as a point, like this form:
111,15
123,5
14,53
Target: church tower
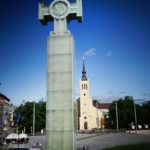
85,100
89,115
84,84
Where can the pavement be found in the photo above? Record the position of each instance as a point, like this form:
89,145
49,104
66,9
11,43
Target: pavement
99,142
93,141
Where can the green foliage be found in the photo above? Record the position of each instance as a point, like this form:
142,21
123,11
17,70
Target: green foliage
95,102
26,119
126,113
143,114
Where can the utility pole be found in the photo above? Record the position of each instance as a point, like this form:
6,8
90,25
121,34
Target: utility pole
77,117
97,114
117,126
97,118
33,117
135,116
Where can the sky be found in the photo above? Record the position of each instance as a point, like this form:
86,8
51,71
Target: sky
114,38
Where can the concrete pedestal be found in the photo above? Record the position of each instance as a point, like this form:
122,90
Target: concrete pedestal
59,107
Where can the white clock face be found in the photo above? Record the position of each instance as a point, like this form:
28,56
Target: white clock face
59,9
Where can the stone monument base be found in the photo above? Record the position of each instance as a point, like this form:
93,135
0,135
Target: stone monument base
59,108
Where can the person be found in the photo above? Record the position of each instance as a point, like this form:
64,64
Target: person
37,145
33,145
83,148
40,145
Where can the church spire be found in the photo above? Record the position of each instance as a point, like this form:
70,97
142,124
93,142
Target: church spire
84,78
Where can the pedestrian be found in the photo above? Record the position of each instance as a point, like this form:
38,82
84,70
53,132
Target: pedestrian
37,145
87,148
83,148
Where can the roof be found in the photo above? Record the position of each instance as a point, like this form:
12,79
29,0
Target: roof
4,97
104,105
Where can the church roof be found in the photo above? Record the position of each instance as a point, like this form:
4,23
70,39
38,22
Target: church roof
104,105
84,78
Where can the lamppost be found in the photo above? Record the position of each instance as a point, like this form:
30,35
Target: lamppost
117,126
76,106
97,119
135,115
33,117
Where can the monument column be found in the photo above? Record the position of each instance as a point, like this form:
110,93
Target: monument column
60,56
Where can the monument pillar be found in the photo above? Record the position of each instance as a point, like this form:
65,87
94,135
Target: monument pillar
60,58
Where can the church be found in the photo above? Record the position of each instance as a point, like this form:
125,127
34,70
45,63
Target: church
89,117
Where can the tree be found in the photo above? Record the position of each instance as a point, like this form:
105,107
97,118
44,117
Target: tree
143,114
95,102
125,112
26,116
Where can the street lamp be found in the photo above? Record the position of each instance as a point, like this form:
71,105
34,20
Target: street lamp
117,126
76,106
97,119
33,132
135,116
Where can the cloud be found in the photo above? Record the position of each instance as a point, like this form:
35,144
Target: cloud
108,54
90,52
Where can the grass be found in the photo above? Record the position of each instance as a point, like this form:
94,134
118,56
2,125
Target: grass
131,147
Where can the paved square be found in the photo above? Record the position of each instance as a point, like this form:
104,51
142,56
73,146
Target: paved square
94,141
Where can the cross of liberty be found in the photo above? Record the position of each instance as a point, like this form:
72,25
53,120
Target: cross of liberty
61,12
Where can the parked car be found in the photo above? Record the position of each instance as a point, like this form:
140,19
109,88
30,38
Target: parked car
131,127
139,126
145,126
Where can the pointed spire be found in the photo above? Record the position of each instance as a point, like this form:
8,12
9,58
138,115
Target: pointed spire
84,78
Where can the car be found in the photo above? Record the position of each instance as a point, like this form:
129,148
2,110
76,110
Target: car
139,126
133,127
145,126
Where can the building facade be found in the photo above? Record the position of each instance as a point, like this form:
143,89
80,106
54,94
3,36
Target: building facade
89,117
4,108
